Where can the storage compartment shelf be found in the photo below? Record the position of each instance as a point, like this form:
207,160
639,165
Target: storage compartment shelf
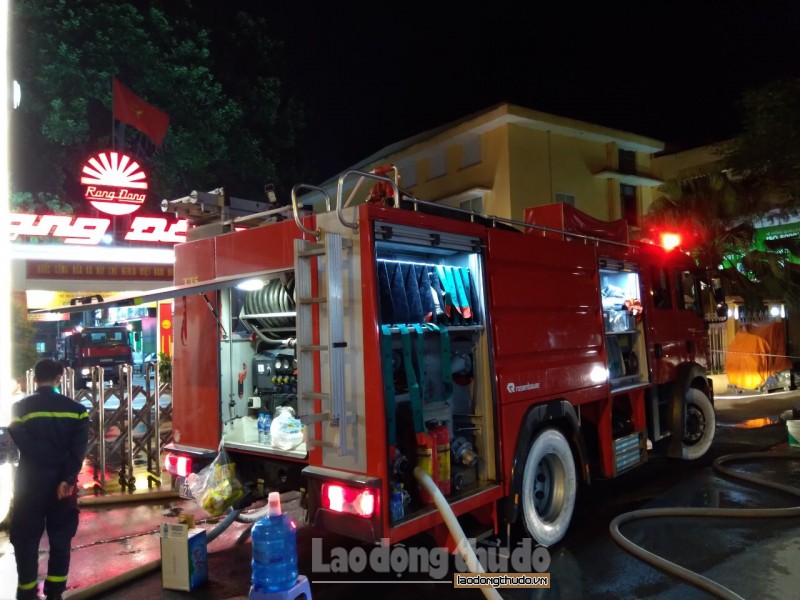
424,510
298,453
395,329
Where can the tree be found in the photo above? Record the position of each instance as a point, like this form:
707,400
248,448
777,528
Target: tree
757,183
65,54
768,148
39,202
716,216
23,346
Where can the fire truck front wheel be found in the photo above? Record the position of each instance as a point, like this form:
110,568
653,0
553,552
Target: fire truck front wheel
700,425
549,487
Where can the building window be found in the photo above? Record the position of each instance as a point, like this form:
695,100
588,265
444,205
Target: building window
628,204
437,164
471,151
474,204
627,162
565,198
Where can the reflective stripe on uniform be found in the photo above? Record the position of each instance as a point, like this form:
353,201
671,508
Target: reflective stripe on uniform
56,578
53,415
28,586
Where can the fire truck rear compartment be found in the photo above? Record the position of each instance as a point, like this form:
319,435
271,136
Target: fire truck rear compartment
259,374
435,369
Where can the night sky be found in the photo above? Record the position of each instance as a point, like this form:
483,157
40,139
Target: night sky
669,70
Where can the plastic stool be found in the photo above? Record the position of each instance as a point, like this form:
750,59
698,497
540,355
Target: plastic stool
300,587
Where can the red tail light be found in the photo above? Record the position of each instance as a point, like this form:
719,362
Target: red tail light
178,465
362,502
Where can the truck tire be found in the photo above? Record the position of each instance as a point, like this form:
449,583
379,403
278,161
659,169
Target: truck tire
549,487
700,425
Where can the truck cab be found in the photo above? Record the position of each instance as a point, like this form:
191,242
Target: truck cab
106,346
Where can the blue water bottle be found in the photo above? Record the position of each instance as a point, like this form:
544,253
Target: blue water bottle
260,424
396,503
274,566
267,427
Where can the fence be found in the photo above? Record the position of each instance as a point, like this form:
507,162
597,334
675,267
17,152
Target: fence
129,424
718,340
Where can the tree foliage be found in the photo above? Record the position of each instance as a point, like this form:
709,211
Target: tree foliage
717,217
757,184
233,129
23,346
40,203
768,147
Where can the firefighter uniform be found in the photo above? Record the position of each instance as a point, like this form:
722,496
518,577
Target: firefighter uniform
51,432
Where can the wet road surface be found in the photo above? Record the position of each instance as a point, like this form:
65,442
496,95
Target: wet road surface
756,558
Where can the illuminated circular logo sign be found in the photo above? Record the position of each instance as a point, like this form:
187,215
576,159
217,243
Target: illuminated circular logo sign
114,183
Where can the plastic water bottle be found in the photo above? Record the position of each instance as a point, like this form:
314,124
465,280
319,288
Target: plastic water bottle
267,426
274,566
396,503
260,425
399,502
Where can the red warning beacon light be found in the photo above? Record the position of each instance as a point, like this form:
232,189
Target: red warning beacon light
670,240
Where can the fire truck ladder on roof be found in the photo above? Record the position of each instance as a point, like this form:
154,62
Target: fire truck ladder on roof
308,390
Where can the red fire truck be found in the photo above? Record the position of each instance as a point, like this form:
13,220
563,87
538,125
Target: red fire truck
516,362
86,347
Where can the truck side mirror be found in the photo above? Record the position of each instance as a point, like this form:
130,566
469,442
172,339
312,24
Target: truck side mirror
722,310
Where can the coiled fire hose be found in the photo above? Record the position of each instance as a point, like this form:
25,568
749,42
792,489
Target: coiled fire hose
683,573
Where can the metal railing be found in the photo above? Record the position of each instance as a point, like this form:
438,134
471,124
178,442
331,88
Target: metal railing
129,425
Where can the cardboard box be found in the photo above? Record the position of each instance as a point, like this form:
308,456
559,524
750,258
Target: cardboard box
184,557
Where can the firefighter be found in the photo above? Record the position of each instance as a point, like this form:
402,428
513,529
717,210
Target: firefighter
51,432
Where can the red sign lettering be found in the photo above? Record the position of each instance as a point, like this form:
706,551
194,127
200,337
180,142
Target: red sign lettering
157,229
90,230
84,230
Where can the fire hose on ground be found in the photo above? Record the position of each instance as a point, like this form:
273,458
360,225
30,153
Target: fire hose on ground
687,575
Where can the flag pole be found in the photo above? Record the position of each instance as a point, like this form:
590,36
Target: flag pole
113,137
113,147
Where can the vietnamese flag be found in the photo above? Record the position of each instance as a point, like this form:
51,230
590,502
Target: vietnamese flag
134,111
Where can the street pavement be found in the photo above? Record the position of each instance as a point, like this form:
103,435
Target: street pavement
116,551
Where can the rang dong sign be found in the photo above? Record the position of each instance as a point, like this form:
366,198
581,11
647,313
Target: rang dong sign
115,183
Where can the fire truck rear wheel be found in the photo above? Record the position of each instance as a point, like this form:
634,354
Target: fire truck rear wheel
700,425
549,487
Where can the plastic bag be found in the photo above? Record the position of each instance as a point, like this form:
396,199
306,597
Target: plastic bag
286,431
216,488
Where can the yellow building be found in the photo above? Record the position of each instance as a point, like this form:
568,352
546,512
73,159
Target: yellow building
686,163
506,158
